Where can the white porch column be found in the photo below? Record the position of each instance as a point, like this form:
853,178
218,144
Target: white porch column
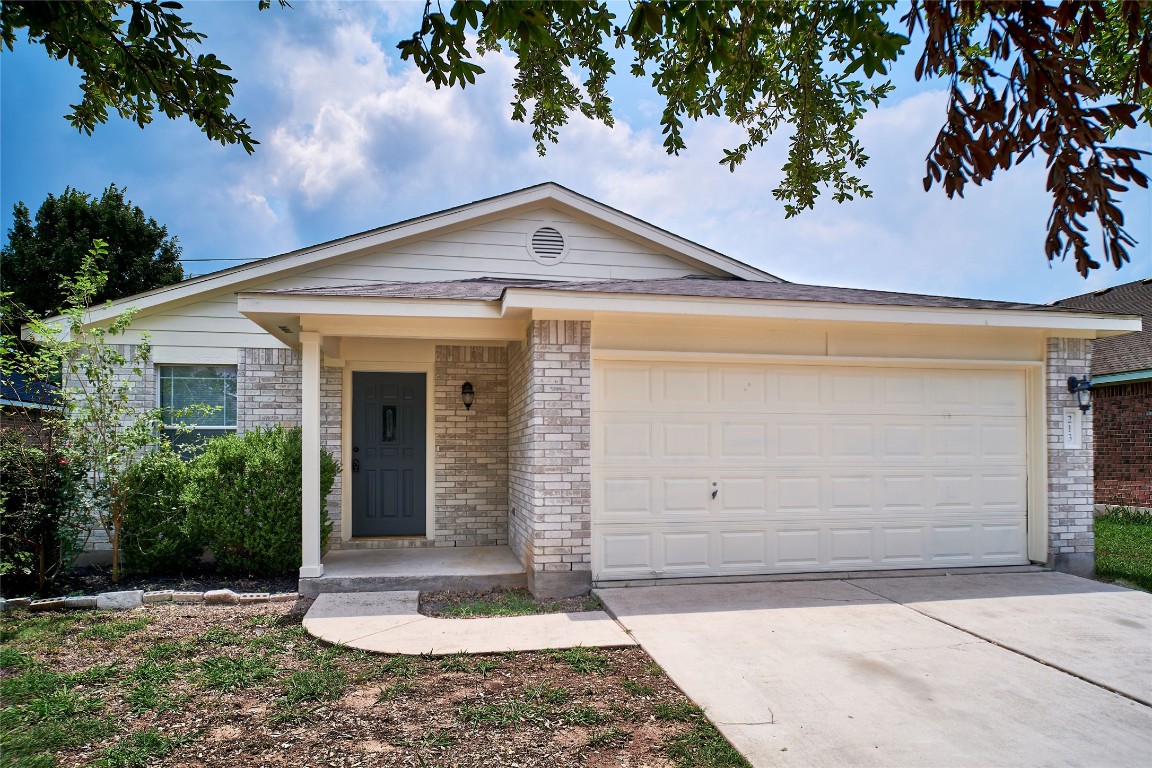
310,565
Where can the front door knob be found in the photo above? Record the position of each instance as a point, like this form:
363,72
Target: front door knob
355,465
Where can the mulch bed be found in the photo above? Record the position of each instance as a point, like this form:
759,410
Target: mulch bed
189,685
93,580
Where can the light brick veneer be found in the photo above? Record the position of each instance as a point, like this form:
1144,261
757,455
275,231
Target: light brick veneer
1071,543
267,388
331,403
471,466
549,474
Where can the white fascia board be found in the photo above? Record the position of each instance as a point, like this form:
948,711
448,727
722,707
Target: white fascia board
237,278
520,299
251,304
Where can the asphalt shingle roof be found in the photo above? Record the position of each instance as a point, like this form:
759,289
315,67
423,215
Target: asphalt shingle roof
1132,351
491,289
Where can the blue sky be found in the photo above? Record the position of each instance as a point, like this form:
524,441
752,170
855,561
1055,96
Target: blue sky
352,138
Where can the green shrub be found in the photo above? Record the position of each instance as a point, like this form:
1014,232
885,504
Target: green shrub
153,536
243,500
39,517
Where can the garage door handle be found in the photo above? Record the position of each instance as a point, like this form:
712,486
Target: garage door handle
714,493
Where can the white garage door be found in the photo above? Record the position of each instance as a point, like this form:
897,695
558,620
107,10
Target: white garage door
716,469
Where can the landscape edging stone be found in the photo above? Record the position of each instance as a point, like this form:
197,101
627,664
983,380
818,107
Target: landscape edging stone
127,600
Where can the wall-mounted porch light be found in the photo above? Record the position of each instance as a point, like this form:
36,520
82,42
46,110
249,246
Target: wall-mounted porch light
467,394
1082,388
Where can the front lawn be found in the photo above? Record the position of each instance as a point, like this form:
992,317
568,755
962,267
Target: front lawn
1124,548
172,685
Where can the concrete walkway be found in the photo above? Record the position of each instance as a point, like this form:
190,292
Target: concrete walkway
864,673
389,622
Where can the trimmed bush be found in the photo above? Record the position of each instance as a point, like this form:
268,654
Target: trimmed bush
243,500
153,536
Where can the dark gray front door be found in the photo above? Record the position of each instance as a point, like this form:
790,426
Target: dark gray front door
388,454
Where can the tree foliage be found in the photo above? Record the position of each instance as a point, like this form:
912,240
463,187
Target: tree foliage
136,57
139,254
1024,78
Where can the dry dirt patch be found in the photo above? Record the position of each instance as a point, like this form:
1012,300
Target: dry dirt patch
186,685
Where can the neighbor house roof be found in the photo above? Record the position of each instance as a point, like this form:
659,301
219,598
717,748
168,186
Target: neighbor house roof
1131,352
492,289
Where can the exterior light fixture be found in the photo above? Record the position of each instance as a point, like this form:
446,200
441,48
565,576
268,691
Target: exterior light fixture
467,394
1082,388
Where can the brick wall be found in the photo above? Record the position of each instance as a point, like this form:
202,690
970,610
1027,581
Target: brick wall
1071,543
550,459
471,458
331,403
267,388
521,481
1122,420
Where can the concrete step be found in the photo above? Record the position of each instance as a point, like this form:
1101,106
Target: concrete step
441,569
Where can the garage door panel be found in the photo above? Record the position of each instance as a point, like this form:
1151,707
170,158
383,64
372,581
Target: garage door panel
850,547
782,493
686,551
744,496
684,441
903,545
627,552
654,439
691,549
744,549
812,468
781,389
685,495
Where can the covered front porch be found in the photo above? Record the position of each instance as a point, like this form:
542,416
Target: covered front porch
493,489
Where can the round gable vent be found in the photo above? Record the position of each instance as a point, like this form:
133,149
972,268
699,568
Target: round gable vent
548,245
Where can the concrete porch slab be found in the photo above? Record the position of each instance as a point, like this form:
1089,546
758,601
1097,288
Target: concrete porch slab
426,569
389,622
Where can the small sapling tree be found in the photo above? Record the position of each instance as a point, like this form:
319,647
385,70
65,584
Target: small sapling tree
105,426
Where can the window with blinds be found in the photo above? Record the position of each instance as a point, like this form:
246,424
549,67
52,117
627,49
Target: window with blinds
202,397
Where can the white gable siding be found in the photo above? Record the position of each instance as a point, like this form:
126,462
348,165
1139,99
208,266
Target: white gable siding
212,329
499,249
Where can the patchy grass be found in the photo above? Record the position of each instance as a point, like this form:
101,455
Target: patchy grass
704,747
231,673
315,685
139,750
108,629
500,602
586,661
1124,547
635,687
243,686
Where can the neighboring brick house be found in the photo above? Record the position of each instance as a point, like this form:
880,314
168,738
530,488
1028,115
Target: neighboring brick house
1122,397
610,401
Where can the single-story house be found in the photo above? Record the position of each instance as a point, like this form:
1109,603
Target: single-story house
611,401
1122,397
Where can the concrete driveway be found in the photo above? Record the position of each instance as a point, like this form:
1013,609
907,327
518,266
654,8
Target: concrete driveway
1021,669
